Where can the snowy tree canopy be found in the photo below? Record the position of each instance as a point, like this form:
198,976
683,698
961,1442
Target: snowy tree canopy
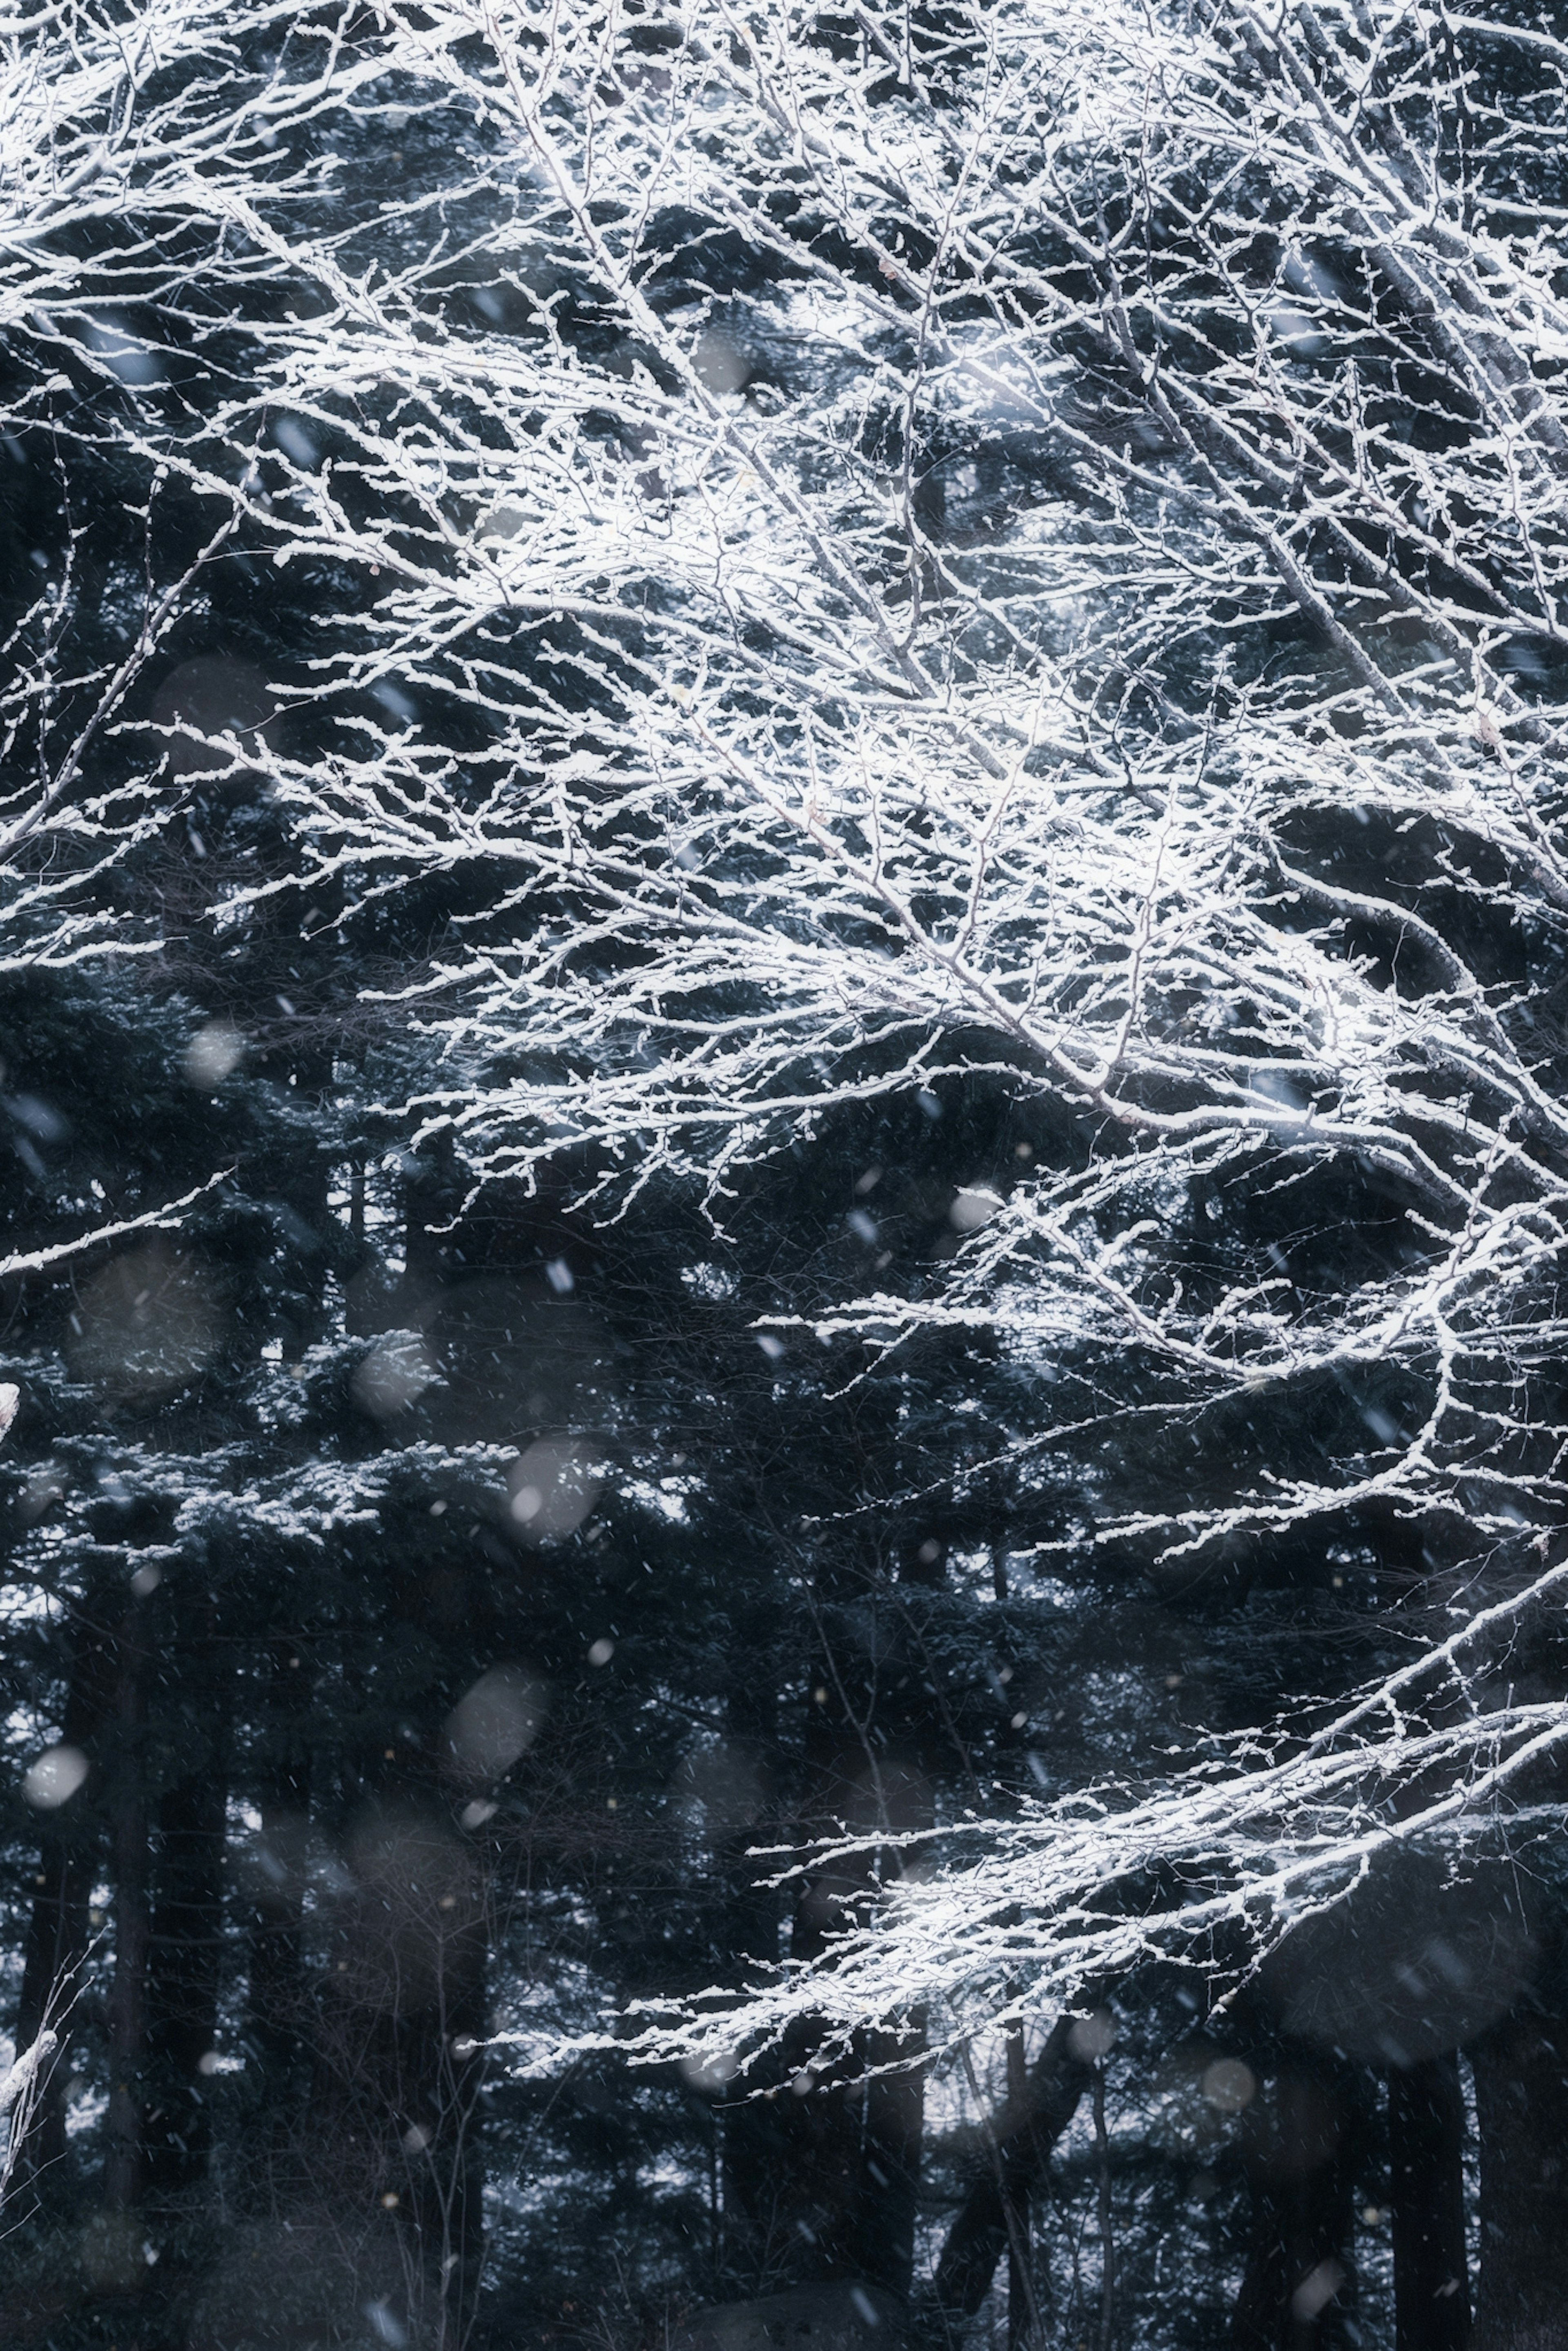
854,553
1084,603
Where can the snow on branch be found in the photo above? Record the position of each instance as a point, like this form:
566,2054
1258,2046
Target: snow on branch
162,1219
859,674
986,1921
856,568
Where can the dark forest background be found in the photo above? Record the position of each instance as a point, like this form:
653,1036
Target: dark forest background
464,1614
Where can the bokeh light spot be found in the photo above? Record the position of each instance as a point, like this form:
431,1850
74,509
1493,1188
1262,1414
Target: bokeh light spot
55,1778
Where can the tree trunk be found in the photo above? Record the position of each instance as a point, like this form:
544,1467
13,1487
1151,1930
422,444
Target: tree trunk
1426,2145
1021,2273
893,2113
123,2172
820,2177
1304,2147
1521,2112
444,2071
276,2005
1023,2139
893,2105
748,1931
393,2120
69,1845
186,1956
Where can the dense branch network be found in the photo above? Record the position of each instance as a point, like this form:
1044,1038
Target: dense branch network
788,791
982,1922
1033,549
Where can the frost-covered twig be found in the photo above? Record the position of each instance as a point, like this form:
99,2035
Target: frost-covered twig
18,2089
988,1920
162,1219
794,790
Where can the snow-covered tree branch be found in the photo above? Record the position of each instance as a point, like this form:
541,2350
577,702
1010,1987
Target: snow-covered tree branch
984,1922
1075,594
859,552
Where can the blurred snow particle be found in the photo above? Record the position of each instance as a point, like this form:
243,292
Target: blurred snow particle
1410,1963
1299,333
708,2075
40,1118
146,1579
215,2062
112,2253
213,1052
295,442
558,1273
972,1209
494,1722
863,1226
553,1489
382,2323
130,358
395,702
771,1347
802,2086
1316,2289
10,1398
405,1887
1229,2086
1092,2036
393,1376
44,1487
600,1653
55,1778
867,1182
1304,272
475,1815
415,2140
928,1103
1278,1086
865,2309
720,1787
148,1321
720,367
